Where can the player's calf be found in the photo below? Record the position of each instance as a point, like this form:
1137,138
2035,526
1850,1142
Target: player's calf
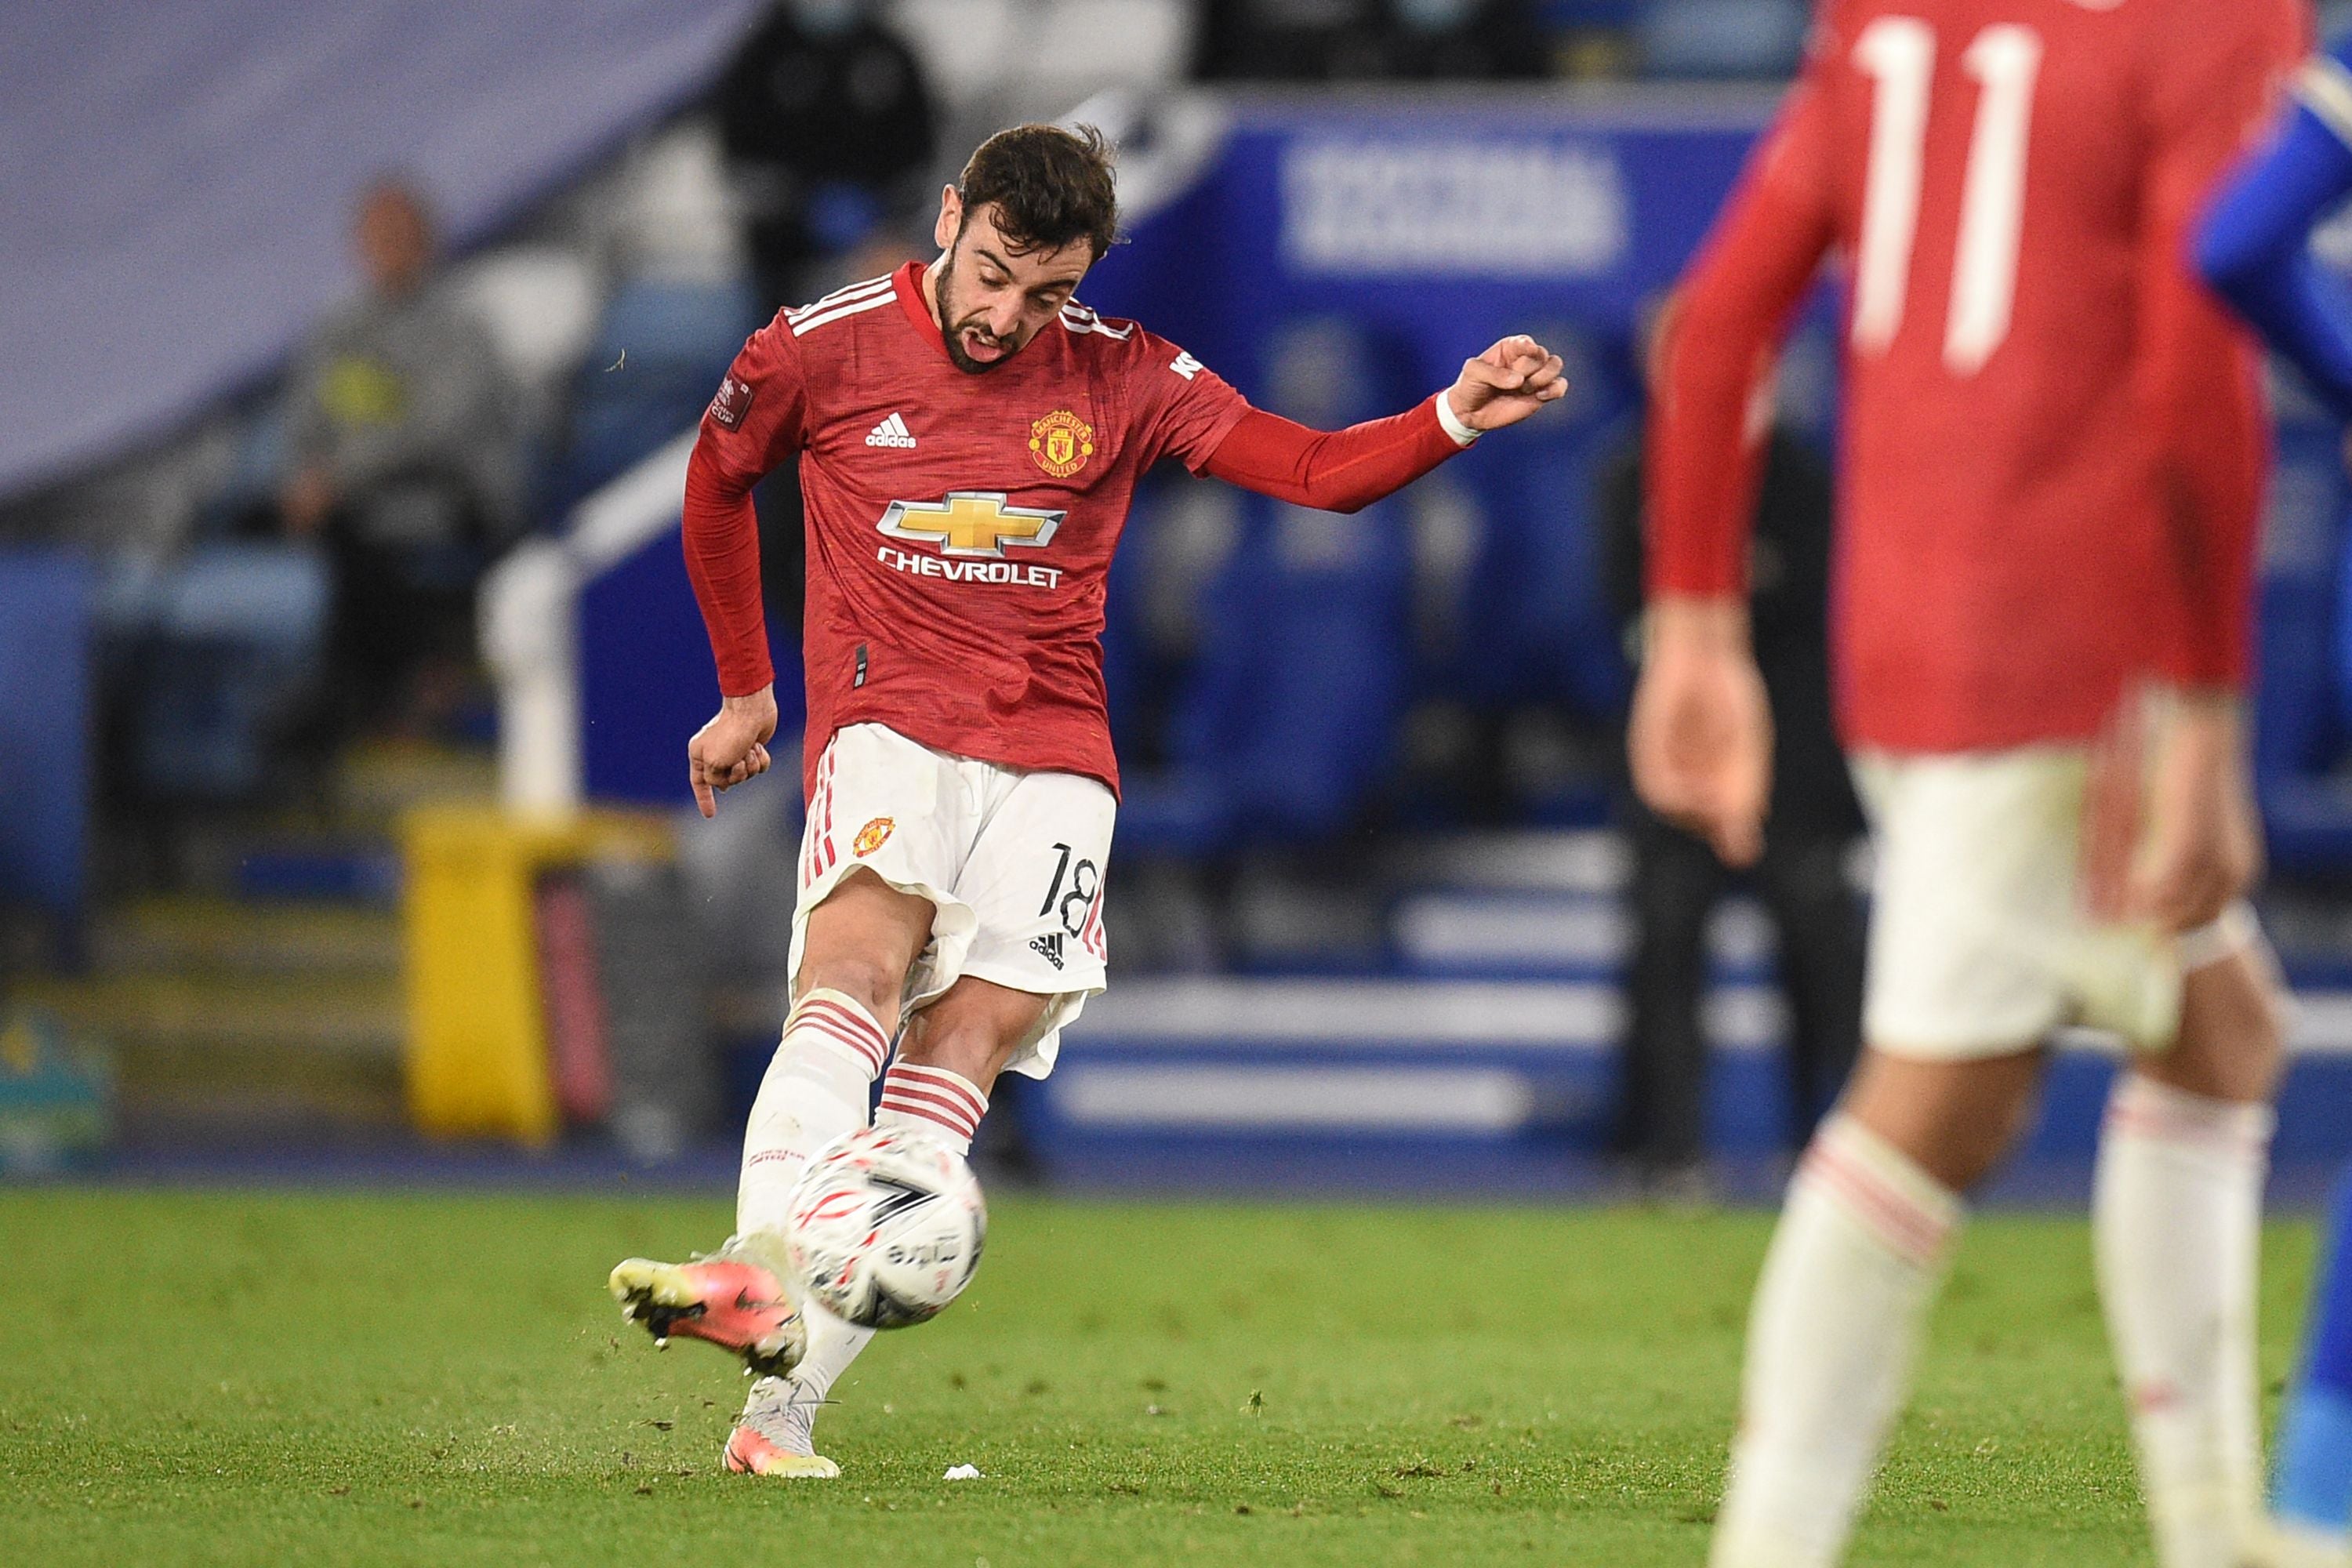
2175,1220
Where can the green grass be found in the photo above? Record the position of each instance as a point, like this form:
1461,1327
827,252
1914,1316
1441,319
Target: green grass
290,1379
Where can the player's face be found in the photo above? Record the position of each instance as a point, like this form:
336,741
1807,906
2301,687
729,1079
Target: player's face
993,298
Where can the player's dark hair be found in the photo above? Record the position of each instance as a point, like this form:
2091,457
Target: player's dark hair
1050,187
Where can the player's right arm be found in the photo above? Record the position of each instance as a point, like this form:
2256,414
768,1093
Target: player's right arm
1700,739
2200,380
757,420
2253,246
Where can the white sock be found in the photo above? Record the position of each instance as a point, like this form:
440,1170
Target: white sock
947,1105
1837,1322
832,1343
814,1091
2175,1220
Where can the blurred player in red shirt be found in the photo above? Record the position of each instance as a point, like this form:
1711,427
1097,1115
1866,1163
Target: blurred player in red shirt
2050,477
970,437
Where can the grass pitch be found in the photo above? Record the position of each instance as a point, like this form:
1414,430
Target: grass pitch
288,1379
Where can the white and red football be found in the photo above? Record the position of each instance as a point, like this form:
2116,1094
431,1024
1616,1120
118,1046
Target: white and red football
886,1226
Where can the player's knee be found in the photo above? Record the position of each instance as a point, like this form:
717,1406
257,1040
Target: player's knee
872,983
973,1031
2233,1028
962,1045
1954,1120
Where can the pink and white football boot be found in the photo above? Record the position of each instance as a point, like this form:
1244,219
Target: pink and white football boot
729,1300
773,1437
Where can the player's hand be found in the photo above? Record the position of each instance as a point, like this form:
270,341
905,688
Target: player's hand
1507,383
733,747
1701,737
2202,849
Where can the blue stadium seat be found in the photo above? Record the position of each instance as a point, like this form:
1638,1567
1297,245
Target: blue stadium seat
1722,38
46,615
658,356
232,636
1302,676
1286,720
1546,634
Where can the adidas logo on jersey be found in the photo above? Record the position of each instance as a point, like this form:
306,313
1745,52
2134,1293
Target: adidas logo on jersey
1048,947
891,432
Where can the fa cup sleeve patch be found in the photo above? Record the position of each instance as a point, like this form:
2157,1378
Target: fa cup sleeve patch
733,404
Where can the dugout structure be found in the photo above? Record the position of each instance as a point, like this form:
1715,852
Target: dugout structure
548,979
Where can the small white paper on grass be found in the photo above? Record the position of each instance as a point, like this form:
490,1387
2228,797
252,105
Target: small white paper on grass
961,1473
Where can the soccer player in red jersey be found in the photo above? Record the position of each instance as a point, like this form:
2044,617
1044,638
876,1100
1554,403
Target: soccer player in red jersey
971,437
2051,475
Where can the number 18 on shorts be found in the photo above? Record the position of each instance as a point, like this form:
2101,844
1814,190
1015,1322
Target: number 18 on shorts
1013,862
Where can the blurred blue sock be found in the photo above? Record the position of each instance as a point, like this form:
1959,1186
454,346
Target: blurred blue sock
2314,1462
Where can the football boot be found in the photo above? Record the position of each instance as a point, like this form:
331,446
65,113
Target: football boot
775,1436
729,1301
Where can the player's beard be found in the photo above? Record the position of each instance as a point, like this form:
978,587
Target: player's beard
951,331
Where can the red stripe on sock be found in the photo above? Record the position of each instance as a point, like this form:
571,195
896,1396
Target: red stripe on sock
941,1080
848,1017
868,1050
864,1052
2167,1126
1902,1224
958,1104
931,1107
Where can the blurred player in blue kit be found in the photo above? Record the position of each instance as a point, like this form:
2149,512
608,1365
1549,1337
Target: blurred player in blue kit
2254,247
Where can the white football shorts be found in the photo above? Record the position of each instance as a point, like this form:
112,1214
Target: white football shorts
1979,941
1013,862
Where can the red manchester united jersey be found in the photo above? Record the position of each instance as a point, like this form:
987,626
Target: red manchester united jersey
961,526
2053,444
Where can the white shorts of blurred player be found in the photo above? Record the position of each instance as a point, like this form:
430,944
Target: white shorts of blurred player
1979,940
1011,861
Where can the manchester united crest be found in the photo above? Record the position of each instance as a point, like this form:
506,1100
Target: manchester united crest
1061,442
872,837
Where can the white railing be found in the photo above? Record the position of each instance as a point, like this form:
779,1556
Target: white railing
529,623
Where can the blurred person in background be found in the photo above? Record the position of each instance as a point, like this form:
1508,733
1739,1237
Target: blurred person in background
1369,40
2054,465
403,459
2255,249
829,131
1810,831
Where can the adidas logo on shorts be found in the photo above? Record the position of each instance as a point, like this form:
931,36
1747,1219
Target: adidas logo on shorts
1048,947
891,432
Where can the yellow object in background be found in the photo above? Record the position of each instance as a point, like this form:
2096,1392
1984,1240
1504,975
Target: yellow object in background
477,1059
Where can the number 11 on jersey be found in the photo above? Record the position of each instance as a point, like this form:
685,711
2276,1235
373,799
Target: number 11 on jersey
1898,54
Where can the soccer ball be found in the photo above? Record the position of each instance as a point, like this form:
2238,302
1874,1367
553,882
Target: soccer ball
886,1227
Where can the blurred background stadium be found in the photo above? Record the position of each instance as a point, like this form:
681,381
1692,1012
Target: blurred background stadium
342,709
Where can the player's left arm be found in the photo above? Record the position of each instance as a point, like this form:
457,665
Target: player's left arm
1347,471
2202,383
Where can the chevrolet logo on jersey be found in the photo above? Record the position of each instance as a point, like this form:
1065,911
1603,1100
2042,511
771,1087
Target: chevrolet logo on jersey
971,529
971,522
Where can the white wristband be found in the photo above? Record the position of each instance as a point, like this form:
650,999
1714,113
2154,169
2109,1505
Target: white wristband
2229,935
1463,433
